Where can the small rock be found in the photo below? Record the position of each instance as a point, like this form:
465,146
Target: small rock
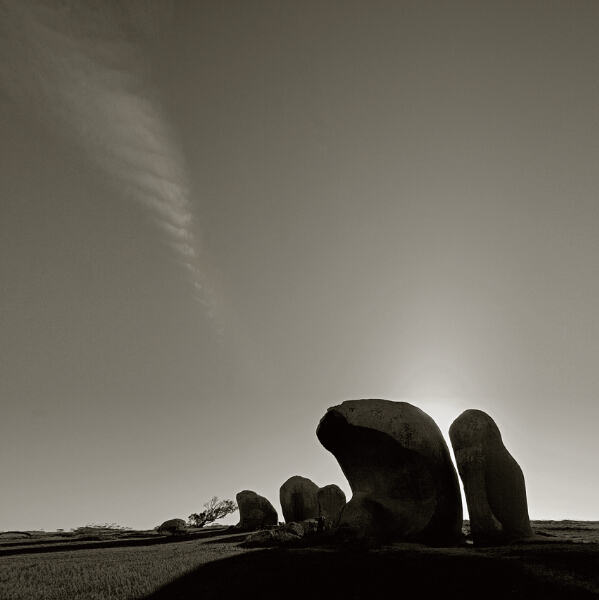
294,528
268,538
173,526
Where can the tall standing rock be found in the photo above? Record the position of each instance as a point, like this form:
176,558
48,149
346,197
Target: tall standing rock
299,499
331,502
493,481
255,511
404,484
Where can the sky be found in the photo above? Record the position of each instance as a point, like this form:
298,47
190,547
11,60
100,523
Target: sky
220,218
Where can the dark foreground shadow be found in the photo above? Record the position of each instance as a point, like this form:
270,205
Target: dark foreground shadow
406,573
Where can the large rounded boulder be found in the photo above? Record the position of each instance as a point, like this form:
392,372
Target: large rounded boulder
404,484
493,481
255,511
331,502
299,499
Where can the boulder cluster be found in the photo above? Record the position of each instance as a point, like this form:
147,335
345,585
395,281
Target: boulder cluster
307,509
302,499
403,481
404,484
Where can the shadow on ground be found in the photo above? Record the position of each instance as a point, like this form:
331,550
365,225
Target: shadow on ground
403,571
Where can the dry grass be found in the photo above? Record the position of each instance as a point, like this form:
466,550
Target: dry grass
584,532
104,573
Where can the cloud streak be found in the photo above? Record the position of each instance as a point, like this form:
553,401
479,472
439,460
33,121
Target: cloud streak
79,65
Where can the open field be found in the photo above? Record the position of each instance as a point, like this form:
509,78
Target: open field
211,564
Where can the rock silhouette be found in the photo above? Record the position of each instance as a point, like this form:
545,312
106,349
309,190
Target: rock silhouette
331,502
255,511
404,484
493,481
299,499
172,526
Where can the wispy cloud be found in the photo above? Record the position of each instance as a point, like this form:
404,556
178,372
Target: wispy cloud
79,65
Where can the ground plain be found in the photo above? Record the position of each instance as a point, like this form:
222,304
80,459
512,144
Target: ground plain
211,564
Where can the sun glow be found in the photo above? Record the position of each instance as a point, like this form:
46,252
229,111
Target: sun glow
444,411
440,387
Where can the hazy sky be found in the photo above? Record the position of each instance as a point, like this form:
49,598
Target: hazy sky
220,218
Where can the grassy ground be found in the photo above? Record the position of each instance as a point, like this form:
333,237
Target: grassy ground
213,565
101,573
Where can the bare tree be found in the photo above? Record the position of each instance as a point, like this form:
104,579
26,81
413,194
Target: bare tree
215,510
